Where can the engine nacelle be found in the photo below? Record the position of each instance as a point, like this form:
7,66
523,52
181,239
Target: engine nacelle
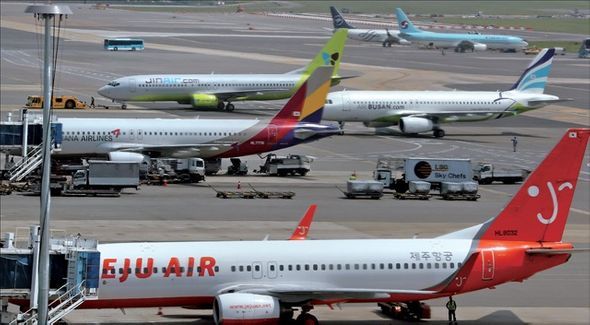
128,156
240,308
479,47
377,124
415,125
204,101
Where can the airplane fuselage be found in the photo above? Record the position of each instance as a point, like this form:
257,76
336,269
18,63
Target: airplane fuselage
181,87
450,106
193,273
204,138
451,40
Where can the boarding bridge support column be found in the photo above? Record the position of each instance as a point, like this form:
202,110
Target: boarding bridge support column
25,120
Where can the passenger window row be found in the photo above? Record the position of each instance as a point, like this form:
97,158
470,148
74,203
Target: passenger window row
347,266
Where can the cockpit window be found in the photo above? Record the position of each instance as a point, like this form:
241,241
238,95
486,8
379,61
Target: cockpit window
114,83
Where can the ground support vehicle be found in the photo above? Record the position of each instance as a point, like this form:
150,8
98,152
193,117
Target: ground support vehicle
96,177
187,170
234,194
272,195
486,173
459,191
414,310
416,190
5,188
68,102
286,165
363,189
237,167
212,166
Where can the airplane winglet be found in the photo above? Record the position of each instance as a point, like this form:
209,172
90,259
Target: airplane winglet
302,229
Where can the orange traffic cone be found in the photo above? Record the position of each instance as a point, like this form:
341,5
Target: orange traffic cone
239,185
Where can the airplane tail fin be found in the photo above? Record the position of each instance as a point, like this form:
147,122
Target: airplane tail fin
300,233
404,23
331,53
535,76
338,20
539,210
307,104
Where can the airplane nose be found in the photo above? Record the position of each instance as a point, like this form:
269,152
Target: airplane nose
103,91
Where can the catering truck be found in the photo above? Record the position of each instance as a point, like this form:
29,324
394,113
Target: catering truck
413,178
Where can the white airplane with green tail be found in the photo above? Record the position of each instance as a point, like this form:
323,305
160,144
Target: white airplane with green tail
220,90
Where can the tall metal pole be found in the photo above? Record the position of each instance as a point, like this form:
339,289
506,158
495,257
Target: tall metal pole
47,12
43,298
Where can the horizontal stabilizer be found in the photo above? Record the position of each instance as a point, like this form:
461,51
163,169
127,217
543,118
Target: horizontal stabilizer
549,251
549,101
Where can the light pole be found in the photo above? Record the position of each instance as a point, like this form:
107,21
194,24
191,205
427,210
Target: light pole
47,13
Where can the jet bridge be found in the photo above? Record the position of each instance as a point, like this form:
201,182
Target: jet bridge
74,274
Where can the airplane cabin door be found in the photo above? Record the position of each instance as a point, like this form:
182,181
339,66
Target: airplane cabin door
272,134
132,85
272,270
256,270
488,265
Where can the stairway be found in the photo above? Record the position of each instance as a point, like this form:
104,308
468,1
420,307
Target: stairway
27,165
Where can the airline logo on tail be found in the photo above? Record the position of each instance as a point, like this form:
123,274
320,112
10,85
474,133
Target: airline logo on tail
404,24
539,210
534,78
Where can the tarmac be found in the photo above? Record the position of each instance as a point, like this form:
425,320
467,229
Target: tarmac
247,43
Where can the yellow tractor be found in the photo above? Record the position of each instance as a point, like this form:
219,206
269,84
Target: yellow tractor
69,102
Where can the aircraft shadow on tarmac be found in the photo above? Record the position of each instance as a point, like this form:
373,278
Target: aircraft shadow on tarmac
505,317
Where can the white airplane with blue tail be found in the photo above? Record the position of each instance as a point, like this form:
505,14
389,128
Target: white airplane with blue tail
460,42
424,111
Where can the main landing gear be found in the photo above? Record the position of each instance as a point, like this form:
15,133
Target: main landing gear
305,318
386,44
228,107
438,133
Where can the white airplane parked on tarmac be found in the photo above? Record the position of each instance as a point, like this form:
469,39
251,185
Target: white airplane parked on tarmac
261,282
424,111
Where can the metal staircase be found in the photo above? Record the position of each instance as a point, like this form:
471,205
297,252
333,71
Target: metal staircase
27,165
58,308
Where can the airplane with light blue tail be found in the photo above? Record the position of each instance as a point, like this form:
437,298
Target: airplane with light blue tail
460,42
424,111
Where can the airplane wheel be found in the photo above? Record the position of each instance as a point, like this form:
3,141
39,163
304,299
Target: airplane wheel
439,133
124,106
307,319
388,44
220,106
230,107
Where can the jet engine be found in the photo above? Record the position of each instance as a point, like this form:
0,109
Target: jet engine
230,308
128,156
415,125
377,124
204,101
479,47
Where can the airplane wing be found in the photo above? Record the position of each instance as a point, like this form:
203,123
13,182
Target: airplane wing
302,229
301,293
168,149
237,95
